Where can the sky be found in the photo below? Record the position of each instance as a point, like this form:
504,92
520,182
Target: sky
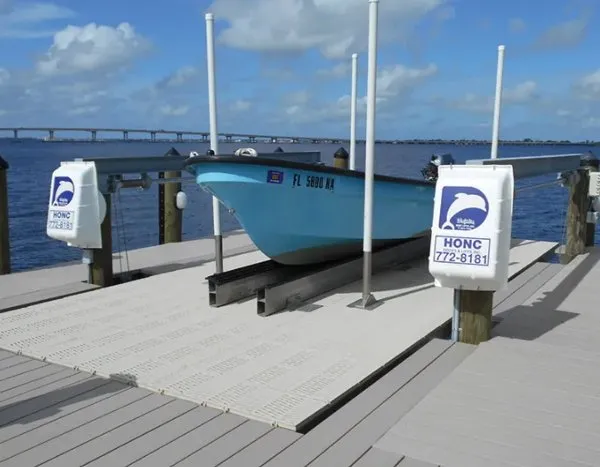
283,66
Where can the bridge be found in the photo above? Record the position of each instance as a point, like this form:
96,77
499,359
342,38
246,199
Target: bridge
203,136
180,135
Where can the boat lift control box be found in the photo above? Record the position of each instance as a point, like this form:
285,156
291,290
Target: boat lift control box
472,227
76,207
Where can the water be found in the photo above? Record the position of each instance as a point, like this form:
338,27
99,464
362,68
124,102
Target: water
539,214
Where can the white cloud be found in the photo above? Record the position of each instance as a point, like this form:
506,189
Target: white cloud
394,83
92,48
588,86
241,105
397,79
180,77
335,27
4,76
340,70
26,20
522,93
566,34
517,25
174,111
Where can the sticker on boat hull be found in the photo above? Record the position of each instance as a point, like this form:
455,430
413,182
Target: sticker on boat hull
275,176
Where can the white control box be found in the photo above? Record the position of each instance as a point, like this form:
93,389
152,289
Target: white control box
472,226
594,189
76,207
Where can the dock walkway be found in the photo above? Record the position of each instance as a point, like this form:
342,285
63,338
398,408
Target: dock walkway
63,400
529,396
40,285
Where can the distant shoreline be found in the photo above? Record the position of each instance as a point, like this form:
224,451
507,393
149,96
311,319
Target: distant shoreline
465,142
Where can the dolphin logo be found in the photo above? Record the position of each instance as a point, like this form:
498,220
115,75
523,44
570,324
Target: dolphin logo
462,202
63,191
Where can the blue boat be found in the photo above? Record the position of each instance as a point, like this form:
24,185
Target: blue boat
300,213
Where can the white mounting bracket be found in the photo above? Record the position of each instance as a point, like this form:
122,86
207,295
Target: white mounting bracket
594,189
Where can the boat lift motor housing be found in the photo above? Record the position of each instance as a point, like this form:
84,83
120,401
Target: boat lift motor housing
76,207
472,227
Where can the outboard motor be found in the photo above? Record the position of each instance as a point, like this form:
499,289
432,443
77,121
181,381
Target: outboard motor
430,171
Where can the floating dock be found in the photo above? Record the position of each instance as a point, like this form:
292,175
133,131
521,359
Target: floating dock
147,373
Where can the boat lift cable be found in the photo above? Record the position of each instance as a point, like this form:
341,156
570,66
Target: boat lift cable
118,229
538,185
124,232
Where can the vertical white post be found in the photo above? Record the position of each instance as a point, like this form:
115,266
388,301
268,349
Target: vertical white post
497,103
214,135
367,297
353,112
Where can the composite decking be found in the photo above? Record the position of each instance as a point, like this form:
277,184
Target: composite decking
529,396
36,286
287,369
59,415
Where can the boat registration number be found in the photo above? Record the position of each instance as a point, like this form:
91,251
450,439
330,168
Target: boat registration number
314,181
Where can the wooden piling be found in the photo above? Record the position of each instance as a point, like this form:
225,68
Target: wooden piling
4,223
475,312
102,262
161,210
592,164
576,221
172,215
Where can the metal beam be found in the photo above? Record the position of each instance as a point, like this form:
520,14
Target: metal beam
533,166
237,284
275,298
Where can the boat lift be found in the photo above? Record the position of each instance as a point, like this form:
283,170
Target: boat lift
276,286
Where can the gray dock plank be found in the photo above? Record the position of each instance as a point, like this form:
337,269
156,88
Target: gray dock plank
45,295
377,458
21,379
42,435
19,368
17,419
13,360
320,438
263,449
155,411
191,442
37,286
365,434
527,404
4,354
227,445
40,386
525,287
410,462
155,439
93,448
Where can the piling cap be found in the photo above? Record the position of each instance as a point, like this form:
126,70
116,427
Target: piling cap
210,152
341,153
589,160
172,152
3,164
278,149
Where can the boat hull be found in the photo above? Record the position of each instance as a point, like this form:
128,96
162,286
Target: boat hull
301,213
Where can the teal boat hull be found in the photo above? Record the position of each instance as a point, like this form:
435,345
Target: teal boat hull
298,213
